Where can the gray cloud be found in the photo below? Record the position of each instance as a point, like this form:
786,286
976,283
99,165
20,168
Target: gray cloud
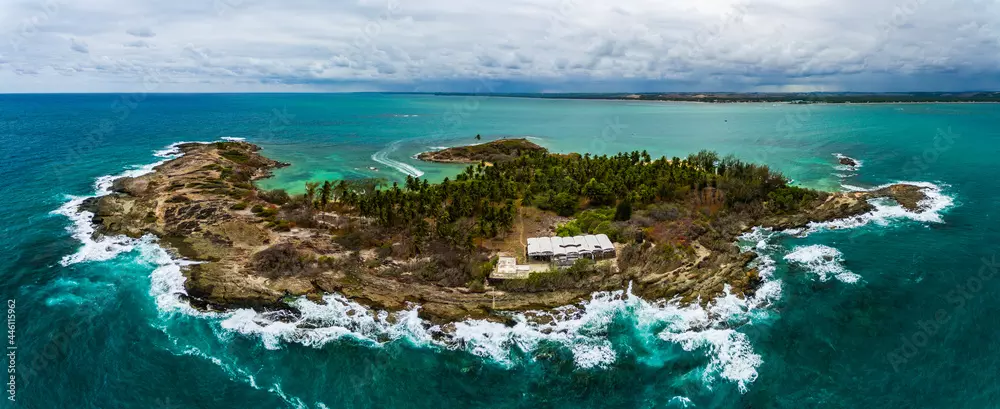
78,46
144,32
138,44
522,45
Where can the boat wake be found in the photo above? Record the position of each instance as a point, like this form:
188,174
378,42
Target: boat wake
382,157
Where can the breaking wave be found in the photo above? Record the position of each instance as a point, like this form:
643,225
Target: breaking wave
845,168
583,329
887,210
82,229
824,261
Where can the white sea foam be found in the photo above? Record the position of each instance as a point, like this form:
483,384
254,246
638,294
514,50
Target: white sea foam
582,329
680,401
858,163
382,157
167,280
233,139
824,261
317,324
82,228
930,209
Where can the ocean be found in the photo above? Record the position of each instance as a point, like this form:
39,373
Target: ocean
891,310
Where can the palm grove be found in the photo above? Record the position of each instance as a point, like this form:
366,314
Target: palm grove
482,202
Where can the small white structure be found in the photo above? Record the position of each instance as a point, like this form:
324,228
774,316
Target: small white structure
507,268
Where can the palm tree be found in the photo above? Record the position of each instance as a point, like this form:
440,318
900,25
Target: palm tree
325,193
311,191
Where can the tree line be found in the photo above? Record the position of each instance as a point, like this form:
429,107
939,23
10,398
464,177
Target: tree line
482,200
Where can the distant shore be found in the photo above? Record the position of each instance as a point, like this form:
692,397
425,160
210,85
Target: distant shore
775,98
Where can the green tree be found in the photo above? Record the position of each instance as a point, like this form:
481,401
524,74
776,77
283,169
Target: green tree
564,204
598,193
311,191
623,211
325,193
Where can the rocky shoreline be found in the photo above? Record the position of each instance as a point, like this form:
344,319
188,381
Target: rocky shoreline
204,207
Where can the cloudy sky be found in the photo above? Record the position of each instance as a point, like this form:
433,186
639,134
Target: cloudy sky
498,45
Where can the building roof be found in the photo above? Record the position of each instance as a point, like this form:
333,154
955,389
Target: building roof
557,246
581,244
563,246
605,242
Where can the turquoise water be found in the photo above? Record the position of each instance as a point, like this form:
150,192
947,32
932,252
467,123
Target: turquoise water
894,310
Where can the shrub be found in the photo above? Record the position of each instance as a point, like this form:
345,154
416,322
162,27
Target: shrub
568,229
235,156
239,206
280,260
276,196
564,204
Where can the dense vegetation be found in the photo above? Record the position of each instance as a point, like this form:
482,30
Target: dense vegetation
483,201
491,152
662,211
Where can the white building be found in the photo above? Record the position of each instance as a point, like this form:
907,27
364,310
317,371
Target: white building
566,250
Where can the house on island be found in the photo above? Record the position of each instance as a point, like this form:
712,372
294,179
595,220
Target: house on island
544,252
566,250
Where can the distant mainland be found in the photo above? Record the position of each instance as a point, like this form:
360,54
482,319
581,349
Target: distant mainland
774,97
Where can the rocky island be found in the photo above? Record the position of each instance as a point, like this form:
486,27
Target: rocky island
491,152
674,222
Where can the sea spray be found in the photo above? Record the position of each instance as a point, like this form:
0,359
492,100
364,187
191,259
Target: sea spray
82,227
931,208
583,329
824,261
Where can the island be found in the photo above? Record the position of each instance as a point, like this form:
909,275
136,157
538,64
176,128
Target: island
673,223
491,152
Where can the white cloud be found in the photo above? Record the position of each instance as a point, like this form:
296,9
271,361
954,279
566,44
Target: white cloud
527,44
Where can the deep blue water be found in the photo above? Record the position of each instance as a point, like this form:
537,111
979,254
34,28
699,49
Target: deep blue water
900,312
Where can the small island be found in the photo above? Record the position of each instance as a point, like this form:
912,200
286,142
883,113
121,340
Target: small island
673,223
496,151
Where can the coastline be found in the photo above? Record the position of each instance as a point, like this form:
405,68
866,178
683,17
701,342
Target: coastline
211,288
696,101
